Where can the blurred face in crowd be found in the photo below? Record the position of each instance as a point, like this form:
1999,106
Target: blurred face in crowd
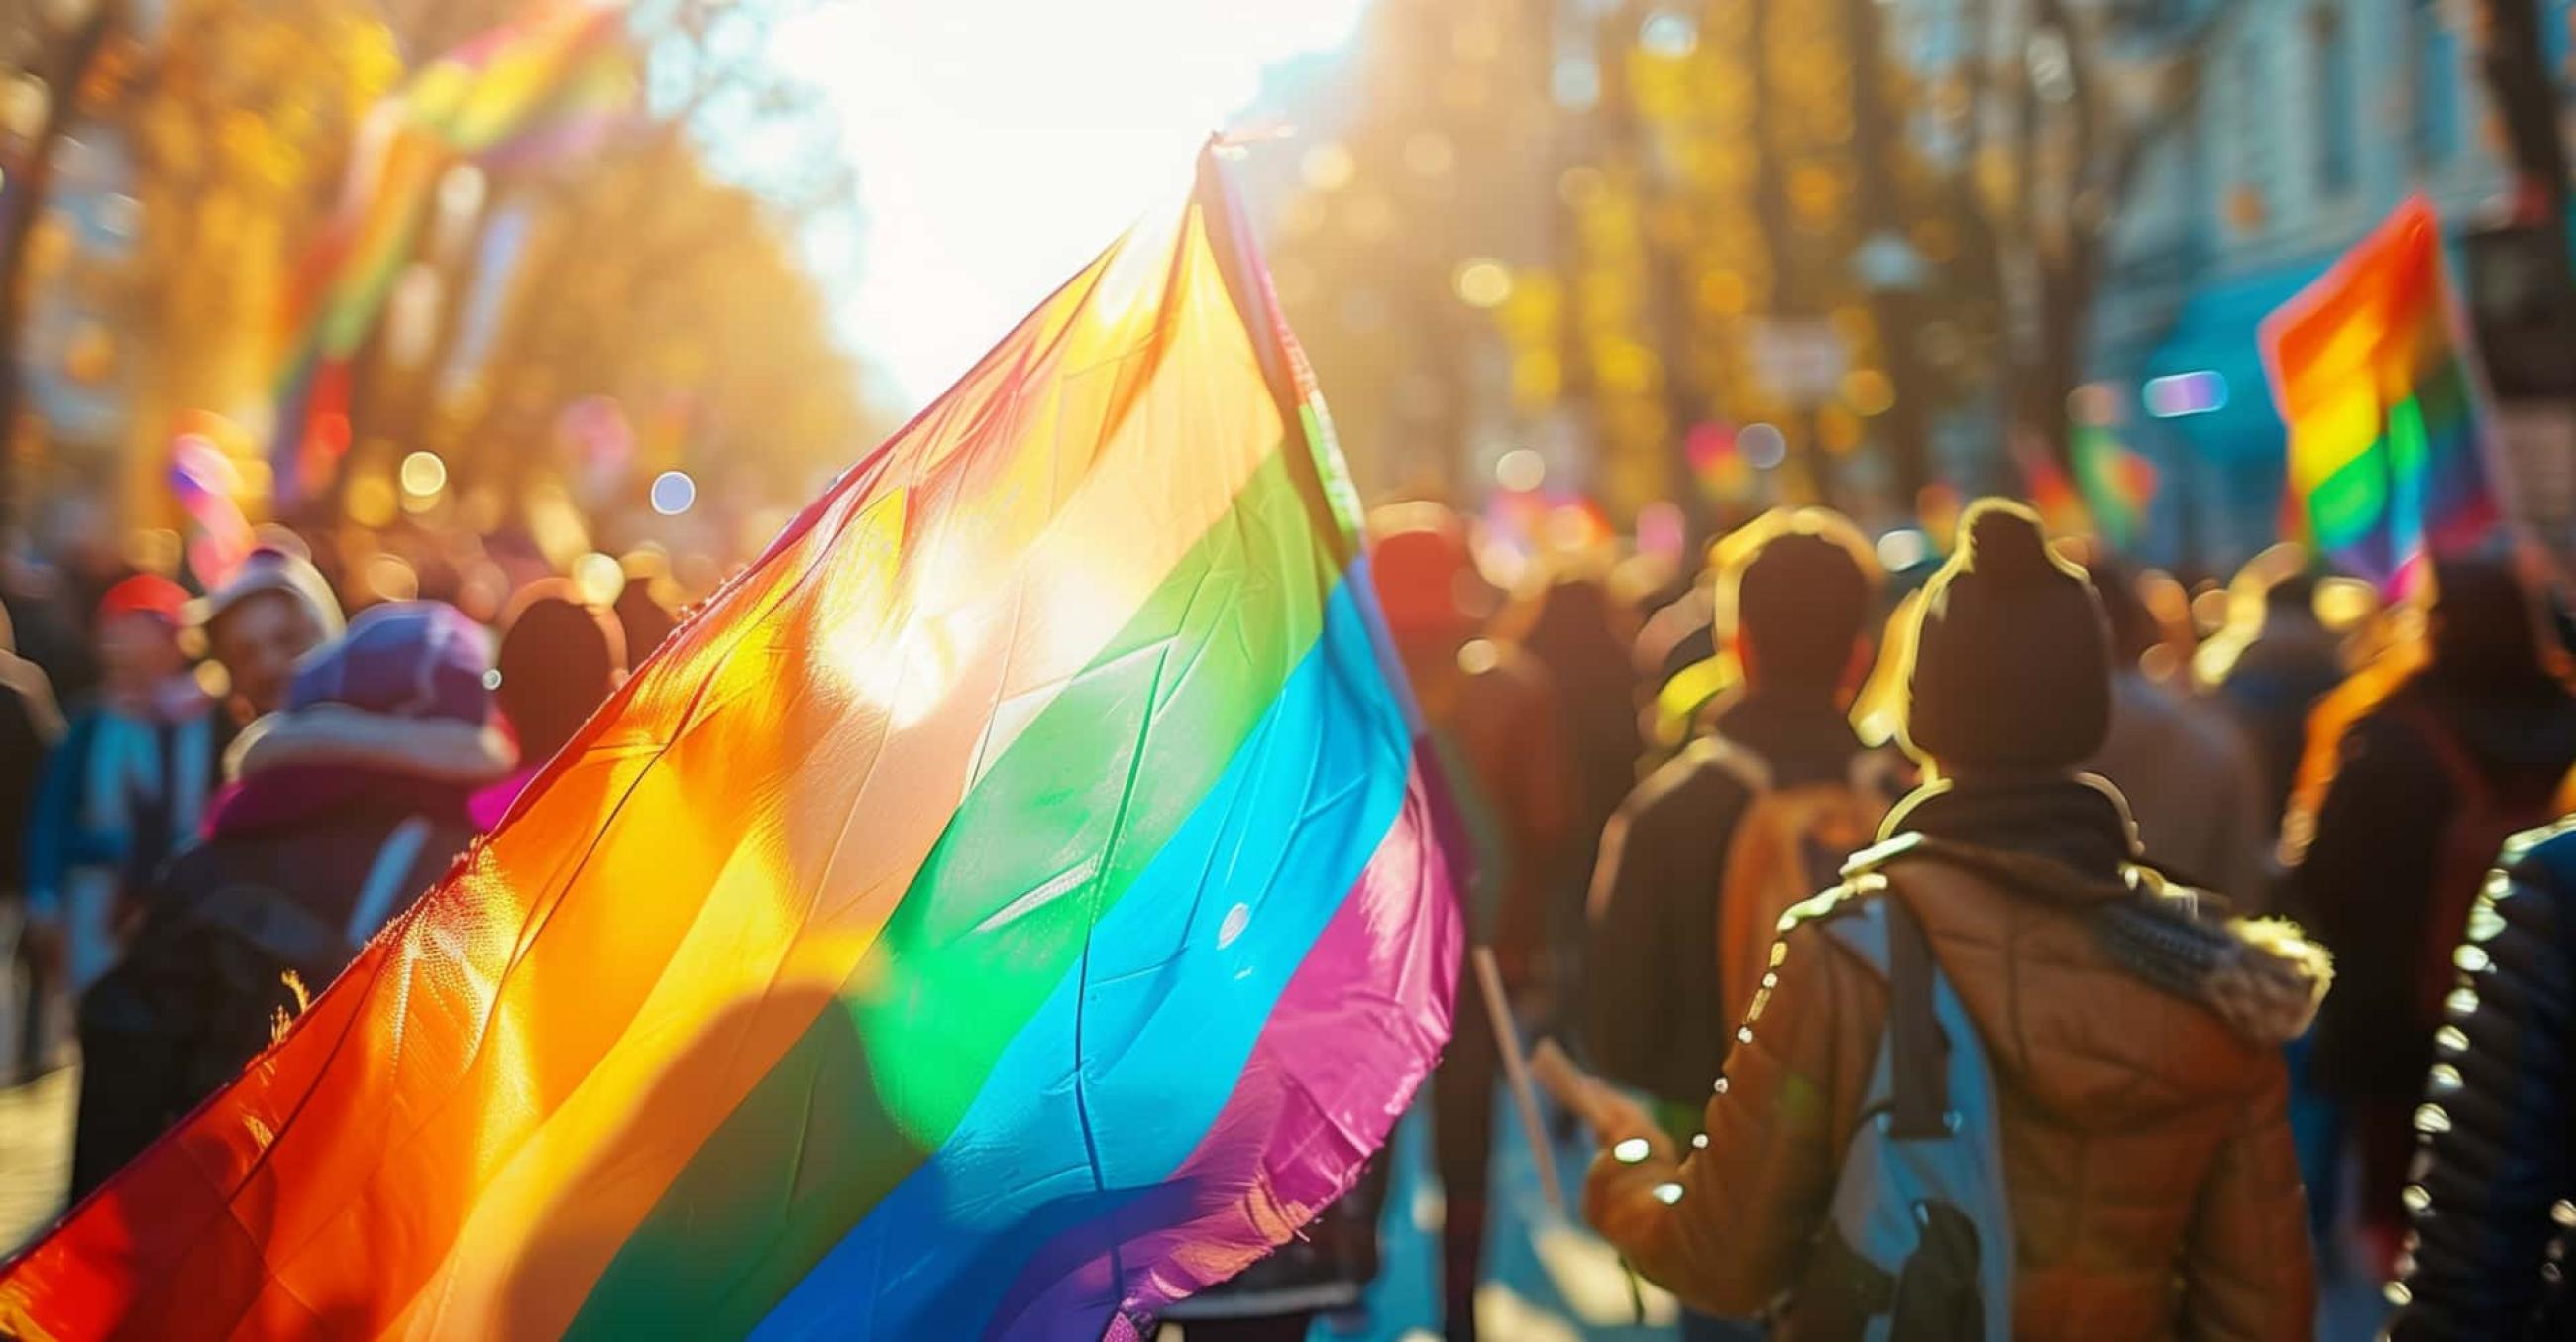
259,641
137,651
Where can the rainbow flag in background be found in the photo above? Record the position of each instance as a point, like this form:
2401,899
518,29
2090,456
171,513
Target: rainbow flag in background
2052,493
2116,484
2387,455
554,84
1012,904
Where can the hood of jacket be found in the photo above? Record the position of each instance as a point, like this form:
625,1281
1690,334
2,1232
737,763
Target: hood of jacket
340,736
2104,996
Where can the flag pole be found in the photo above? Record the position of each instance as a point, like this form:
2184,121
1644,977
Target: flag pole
1507,1036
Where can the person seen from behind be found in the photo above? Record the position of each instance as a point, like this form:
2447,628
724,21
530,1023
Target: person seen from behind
2110,1099
561,657
2192,784
1575,631
2428,784
1708,852
259,624
351,802
1487,707
128,784
2272,664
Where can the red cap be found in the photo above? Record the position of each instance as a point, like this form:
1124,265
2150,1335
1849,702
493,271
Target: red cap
1420,574
145,594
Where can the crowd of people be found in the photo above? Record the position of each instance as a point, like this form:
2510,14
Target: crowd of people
250,781
1942,945
2195,897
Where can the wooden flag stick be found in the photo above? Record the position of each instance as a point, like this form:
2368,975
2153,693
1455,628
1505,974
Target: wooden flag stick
1507,1037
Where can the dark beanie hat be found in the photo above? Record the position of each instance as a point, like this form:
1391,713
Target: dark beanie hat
2012,664
560,660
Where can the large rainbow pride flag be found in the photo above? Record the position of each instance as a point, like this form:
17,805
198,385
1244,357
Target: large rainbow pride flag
1012,904
2387,452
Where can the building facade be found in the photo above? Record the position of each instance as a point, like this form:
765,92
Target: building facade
2313,118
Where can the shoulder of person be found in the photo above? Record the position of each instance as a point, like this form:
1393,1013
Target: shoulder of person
2541,863
1864,879
2396,734
1708,775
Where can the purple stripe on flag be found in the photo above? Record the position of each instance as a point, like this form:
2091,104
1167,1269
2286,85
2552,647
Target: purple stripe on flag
1287,1143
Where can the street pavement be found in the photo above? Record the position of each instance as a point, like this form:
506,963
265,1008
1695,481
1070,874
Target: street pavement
1547,1278
35,1153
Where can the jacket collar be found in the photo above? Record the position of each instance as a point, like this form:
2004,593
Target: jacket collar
2069,842
1800,738
2076,823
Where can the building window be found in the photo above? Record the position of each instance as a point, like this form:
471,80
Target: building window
2435,48
2338,116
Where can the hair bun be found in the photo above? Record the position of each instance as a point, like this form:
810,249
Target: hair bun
2005,545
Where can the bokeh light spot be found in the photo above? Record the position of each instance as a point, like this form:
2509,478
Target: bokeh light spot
423,473
1902,549
1762,446
600,578
1484,282
1520,469
674,493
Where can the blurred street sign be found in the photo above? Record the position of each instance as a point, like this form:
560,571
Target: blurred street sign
1801,359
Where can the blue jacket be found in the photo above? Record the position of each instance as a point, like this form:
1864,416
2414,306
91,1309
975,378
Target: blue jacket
68,830
2493,1208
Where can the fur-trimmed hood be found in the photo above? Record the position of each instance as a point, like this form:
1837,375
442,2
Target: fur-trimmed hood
336,735
2105,1002
2260,975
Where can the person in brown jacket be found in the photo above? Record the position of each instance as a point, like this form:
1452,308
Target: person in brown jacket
2132,1031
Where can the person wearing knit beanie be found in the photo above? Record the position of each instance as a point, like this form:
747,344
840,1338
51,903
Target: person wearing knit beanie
260,624
2012,658
2126,1094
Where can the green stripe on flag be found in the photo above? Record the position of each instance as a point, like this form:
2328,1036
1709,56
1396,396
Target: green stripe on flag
2344,506
1043,845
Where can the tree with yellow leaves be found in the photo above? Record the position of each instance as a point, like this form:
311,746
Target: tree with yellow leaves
665,275
233,117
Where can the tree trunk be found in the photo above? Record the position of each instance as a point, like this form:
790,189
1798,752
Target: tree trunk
1897,311
21,205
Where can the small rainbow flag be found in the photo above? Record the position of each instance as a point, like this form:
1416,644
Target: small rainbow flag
555,84
2116,483
2052,493
2387,453
1012,904
208,487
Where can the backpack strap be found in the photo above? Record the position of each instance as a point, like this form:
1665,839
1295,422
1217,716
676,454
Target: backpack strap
385,878
278,926
1740,762
1919,1098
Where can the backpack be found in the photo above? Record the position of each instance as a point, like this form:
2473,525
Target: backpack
203,990
2483,816
1919,1242
1790,843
